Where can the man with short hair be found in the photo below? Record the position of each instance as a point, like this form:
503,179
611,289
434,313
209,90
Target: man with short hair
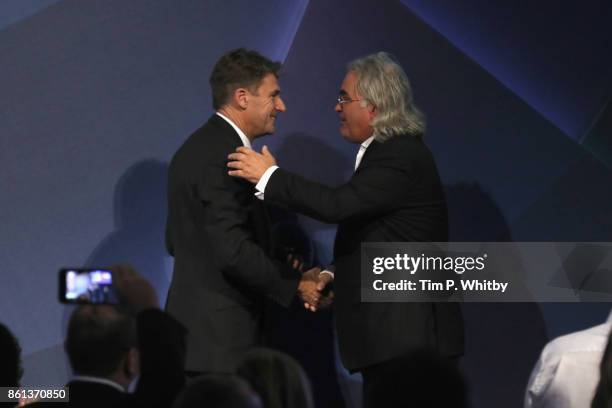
218,231
102,343
111,346
394,195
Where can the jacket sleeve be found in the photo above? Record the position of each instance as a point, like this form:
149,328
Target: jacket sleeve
227,202
375,189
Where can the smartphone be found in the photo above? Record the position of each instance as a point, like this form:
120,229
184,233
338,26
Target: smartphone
87,285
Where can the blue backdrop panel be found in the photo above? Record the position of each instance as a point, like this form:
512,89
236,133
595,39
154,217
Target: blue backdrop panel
14,11
557,56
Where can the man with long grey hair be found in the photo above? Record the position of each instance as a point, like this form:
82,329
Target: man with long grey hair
383,85
394,195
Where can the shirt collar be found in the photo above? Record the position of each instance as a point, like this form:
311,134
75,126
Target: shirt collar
98,380
367,142
245,140
362,150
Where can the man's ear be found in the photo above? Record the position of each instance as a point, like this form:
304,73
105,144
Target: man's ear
240,98
132,363
372,111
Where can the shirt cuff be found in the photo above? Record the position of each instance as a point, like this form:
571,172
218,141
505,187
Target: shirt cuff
328,272
263,181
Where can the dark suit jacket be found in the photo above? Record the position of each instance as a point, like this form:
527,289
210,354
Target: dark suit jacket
218,233
395,195
161,341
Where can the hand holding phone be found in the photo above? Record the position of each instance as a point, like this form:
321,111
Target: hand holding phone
87,285
133,290
118,284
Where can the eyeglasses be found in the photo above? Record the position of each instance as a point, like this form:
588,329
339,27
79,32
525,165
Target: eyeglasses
342,100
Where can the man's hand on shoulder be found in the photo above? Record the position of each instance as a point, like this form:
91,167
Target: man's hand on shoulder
250,165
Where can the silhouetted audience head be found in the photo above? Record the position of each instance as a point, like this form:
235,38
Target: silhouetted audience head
218,391
102,342
278,379
10,359
603,392
421,379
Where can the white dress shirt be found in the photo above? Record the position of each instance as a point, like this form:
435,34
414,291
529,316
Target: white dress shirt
362,150
567,371
245,140
263,181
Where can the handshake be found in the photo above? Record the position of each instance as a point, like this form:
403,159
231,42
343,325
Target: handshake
312,289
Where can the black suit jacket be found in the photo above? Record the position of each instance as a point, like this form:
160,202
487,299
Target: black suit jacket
395,195
218,233
161,341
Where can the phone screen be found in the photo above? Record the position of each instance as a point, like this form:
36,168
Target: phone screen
82,285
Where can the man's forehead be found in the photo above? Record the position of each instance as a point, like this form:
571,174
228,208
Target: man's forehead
270,79
270,83
349,84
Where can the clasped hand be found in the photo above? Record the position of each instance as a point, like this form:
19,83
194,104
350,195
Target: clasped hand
311,288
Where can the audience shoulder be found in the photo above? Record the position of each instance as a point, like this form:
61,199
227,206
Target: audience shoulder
591,339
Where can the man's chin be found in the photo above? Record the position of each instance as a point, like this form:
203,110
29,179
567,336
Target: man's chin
270,127
344,132
267,132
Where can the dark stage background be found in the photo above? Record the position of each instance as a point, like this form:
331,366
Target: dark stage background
97,95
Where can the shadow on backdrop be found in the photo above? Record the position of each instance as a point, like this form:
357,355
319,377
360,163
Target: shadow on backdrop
314,159
503,340
138,239
140,209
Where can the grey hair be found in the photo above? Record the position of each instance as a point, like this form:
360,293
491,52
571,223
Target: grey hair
383,83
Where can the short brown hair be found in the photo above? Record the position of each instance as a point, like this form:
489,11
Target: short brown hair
98,339
239,68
